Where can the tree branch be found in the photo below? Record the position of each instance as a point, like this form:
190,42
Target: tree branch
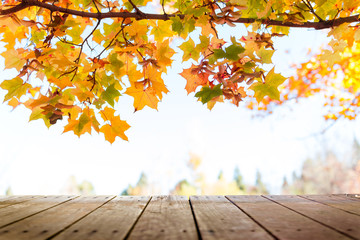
99,16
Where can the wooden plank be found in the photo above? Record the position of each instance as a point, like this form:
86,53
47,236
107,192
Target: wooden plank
355,197
282,222
22,210
112,221
345,204
12,197
6,198
346,223
50,222
4,202
166,217
218,218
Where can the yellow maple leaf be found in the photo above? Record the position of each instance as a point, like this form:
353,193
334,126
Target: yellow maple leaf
143,96
115,128
14,59
14,102
161,30
163,54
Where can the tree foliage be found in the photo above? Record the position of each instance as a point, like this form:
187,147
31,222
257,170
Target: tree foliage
199,183
75,59
324,176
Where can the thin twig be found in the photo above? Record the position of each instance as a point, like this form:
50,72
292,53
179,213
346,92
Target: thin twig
308,5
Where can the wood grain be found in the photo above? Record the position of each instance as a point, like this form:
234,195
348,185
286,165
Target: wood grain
346,204
4,202
47,223
346,223
112,221
282,222
22,210
317,217
355,197
166,217
218,218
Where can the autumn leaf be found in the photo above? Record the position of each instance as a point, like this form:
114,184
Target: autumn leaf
16,88
115,128
143,97
61,83
164,54
265,55
161,30
110,94
72,59
14,59
14,103
193,79
269,87
190,51
80,126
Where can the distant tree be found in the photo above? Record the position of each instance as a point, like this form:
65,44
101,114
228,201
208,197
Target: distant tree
199,184
9,192
327,175
142,187
184,188
74,188
239,179
259,187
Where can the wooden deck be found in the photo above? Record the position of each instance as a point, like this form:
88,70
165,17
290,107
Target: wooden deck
176,217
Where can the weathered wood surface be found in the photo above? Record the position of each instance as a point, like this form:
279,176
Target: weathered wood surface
177,217
218,218
165,217
282,222
344,222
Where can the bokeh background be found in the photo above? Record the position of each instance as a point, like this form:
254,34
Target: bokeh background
183,148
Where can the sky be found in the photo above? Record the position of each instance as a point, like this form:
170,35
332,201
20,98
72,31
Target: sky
37,160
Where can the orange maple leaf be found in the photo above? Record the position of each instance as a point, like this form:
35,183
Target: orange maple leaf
143,96
116,127
194,79
80,126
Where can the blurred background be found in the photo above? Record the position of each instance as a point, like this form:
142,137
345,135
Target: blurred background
183,148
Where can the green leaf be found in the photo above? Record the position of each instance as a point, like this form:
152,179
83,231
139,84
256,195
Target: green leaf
219,53
189,25
269,87
109,94
115,64
37,114
206,93
196,12
177,25
233,51
83,120
16,88
37,36
75,33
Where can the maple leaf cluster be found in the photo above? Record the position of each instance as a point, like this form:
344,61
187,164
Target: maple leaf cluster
76,58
